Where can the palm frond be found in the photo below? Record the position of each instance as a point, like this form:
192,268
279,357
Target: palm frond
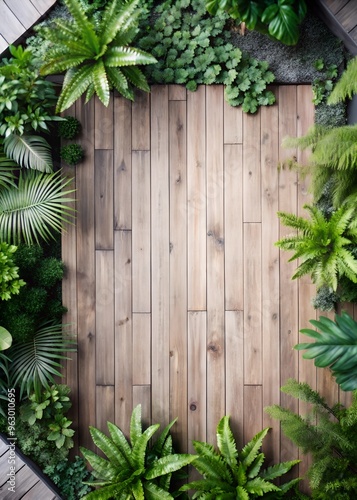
346,87
7,169
35,363
36,208
29,151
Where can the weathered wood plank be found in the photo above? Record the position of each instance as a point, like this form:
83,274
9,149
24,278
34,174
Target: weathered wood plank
141,122
123,329
11,27
103,199
141,349
347,16
215,259
270,274
252,304
142,396
105,406
40,491
141,231
25,12
178,270
196,424
177,93
160,265
86,274
235,372
104,315
251,168
25,480
233,124
196,199
253,411
122,163
233,227
103,123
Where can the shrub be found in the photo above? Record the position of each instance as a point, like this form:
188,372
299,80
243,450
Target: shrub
69,128
68,476
72,154
10,283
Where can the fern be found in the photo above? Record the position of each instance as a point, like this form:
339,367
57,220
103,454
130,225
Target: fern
346,87
329,434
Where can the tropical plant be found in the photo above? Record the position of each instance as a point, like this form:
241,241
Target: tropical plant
335,346
96,55
5,339
72,154
332,160
346,87
278,18
35,363
69,128
329,434
69,476
26,104
323,245
193,49
133,469
230,474
9,277
36,208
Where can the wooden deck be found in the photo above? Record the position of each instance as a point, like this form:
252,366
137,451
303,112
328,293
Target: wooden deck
17,16
341,17
30,484
180,300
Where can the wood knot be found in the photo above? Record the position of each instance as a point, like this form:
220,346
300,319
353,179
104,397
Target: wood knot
193,407
213,347
90,335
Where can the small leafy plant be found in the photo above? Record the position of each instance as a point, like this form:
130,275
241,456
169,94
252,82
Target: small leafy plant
9,276
193,49
69,128
69,476
329,435
335,346
230,474
72,154
133,469
322,87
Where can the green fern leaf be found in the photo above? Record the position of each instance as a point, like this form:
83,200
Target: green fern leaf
135,425
74,87
278,470
136,77
154,492
121,443
346,87
127,56
139,448
115,19
226,442
258,486
100,82
102,469
107,446
251,449
89,36
168,464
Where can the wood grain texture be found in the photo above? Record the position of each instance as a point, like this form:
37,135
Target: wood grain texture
140,122
103,199
251,168
103,123
141,349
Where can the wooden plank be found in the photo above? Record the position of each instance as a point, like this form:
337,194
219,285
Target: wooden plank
105,407
43,5
141,122
233,227
289,367
215,260
234,372
123,329
177,93
336,5
178,271
270,274
3,44
11,27
252,304
196,424
233,124
104,124
40,491
160,242
347,16
251,168
142,395
141,231
253,411
196,199
86,275
103,199
122,163
141,349
25,479
24,10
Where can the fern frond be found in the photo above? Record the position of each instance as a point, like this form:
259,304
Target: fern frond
89,35
115,19
346,87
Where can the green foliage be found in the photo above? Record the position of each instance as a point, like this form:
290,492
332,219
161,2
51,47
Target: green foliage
69,128
36,208
323,245
193,49
322,87
329,434
326,299
29,151
95,53
69,476
5,339
278,18
35,363
335,346
346,87
230,474
133,469
72,154
10,283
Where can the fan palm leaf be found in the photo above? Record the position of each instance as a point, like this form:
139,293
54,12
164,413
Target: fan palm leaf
35,363
35,208
7,169
29,151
